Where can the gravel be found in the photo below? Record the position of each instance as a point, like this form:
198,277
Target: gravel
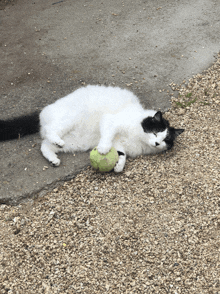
152,229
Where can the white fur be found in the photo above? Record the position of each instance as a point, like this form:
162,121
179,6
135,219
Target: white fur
98,116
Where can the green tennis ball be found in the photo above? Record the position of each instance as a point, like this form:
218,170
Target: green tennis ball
104,162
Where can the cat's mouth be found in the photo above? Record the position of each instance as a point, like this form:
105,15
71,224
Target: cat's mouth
163,146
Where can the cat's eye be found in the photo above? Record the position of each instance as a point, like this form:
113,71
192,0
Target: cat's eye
155,134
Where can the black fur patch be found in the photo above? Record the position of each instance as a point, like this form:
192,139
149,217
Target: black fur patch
155,124
169,140
19,127
171,136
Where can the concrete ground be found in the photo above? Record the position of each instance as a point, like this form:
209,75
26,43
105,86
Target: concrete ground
50,48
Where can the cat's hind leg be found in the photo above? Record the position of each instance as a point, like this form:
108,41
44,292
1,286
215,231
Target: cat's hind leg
53,136
49,152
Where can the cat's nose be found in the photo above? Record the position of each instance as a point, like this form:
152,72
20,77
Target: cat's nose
157,144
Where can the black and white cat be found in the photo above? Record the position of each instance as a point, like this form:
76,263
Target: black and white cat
95,116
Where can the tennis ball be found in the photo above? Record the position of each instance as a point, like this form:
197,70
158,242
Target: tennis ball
103,162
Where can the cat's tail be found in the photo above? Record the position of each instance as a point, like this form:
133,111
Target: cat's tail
19,127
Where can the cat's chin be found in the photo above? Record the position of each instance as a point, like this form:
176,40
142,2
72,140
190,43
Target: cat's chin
164,149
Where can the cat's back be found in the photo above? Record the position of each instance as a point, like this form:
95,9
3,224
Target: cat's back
95,97
90,100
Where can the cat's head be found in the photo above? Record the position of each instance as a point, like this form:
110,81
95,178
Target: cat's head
160,135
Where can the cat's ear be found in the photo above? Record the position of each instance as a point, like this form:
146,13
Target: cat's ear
178,132
158,116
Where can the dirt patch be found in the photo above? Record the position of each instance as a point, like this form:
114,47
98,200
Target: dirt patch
4,3
152,229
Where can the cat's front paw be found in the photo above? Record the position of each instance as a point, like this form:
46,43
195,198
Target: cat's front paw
59,143
119,167
103,149
55,162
